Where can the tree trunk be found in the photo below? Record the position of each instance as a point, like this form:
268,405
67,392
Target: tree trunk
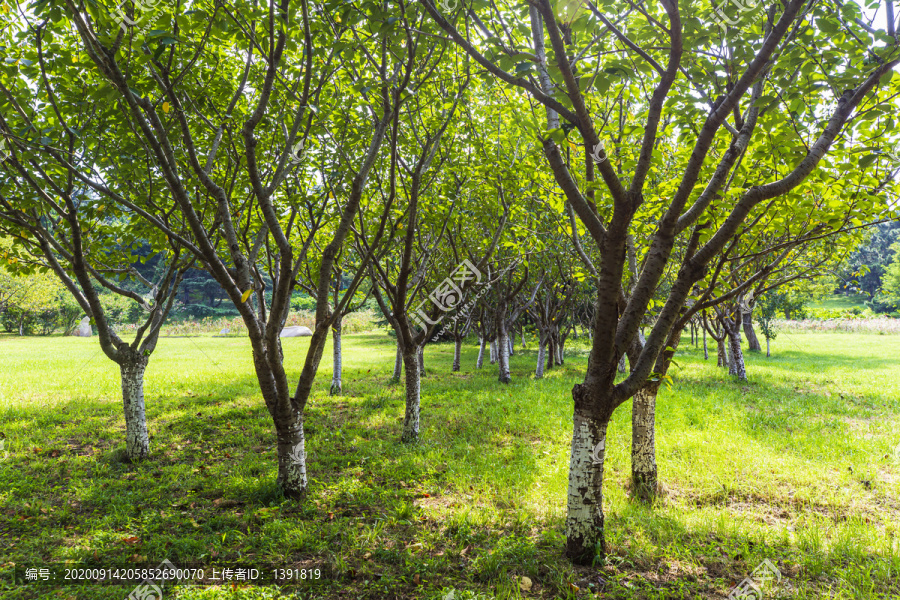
561,352
551,353
503,356
736,356
480,362
422,360
722,358
522,335
643,445
767,348
584,515
541,359
398,364
623,365
137,438
338,366
705,348
291,454
752,340
493,351
512,343
457,352
413,389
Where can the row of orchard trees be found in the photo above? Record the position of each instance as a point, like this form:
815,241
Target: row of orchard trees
634,169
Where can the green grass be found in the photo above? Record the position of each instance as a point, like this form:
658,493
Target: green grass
797,466
841,302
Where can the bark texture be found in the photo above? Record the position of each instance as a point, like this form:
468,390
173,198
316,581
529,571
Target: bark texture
457,352
541,360
480,362
503,357
643,448
413,391
137,438
338,363
584,518
736,365
752,340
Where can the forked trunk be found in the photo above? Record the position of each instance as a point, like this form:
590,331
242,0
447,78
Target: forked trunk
584,519
457,352
503,357
736,356
480,362
413,389
336,375
398,364
643,446
752,340
541,359
137,438
422,361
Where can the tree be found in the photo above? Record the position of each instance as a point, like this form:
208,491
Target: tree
734,137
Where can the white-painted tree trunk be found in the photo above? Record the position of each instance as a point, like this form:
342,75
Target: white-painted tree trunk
291,441
493,351
767,348
480,362
561,353
736,365
137,438
503,375
721,357
512,343
398,364
457,354
338,363
584,518
413,391
541,360
643,445
705,348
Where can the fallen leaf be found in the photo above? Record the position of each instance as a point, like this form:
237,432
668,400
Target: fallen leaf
524,584
132,540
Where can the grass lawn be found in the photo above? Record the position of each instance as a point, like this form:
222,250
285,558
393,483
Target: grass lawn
800,466
841,302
